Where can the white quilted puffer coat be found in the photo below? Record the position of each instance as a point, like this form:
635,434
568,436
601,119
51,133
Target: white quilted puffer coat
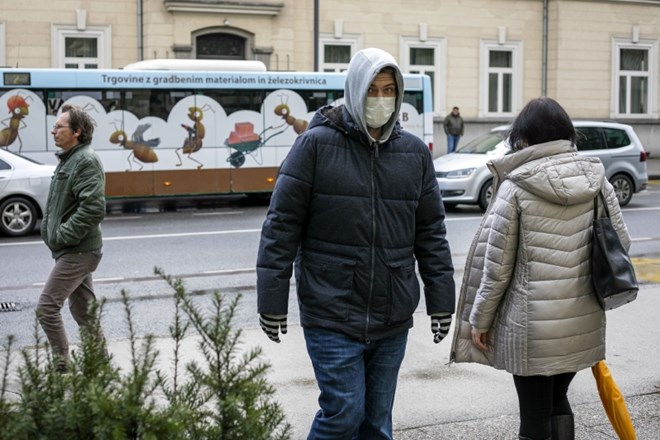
527,277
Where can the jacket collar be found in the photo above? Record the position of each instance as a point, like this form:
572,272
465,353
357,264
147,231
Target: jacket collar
501,167
63,155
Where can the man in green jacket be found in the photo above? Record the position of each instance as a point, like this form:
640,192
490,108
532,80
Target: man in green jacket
71,228
454,127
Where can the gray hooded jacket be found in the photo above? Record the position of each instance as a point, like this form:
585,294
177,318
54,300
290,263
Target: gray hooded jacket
356,214
362,70
527,281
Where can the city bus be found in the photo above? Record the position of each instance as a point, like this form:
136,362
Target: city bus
162,130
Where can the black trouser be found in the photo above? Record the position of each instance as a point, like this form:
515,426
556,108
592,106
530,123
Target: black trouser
540,398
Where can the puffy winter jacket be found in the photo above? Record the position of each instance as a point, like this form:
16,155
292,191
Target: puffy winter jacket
527,280
358,214
76,203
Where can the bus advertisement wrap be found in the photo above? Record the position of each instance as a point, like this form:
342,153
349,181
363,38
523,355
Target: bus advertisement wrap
169,133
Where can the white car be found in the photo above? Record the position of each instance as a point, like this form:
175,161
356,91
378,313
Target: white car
24,186
464,178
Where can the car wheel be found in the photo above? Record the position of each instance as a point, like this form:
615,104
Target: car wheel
18,216
485,195
623,188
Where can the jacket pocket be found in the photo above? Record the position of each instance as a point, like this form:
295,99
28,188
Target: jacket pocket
403,291
60,181
326,285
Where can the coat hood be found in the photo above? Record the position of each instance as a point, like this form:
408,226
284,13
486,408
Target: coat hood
362,70
553,171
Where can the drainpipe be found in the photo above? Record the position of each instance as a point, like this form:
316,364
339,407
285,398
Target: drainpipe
316,35
544,56
139,31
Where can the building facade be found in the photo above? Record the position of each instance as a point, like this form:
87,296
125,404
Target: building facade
599,59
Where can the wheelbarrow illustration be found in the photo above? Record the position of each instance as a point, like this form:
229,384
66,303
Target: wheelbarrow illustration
245,141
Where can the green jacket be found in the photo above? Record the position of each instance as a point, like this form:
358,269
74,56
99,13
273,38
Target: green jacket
454,125
76,203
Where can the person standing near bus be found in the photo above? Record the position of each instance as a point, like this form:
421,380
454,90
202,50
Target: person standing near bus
453,129
356,205
71,229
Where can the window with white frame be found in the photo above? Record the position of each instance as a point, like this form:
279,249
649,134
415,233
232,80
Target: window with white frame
427,57
336,53
634,74
501,78
87,49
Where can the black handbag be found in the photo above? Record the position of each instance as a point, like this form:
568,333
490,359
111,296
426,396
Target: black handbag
612,273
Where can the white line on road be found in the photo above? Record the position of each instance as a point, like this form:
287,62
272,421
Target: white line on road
96,280
127,217
251,231
207,214
182,234
229,271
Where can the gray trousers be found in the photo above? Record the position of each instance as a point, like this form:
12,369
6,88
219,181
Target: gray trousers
70,278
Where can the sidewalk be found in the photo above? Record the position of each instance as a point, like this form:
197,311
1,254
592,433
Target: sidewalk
468,401
437,401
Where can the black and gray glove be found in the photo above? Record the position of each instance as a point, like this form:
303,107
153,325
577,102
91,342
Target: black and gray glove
272,325
440,323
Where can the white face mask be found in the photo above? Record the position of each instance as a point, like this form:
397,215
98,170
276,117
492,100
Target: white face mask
378,111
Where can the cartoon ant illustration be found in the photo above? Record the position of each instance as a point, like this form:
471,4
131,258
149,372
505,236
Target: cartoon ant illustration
196,134
245,142
141,149
283,110
19,109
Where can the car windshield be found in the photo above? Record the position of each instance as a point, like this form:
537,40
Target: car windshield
482,144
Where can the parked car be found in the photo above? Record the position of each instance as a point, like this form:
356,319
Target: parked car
24,186
464,178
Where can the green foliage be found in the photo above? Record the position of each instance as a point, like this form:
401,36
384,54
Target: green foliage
225,396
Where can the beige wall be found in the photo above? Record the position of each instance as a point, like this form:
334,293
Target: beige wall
579,51
582,64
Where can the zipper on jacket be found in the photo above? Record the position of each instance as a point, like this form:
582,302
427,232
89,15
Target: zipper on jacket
374,156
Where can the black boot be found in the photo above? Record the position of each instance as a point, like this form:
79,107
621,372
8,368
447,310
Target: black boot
563,427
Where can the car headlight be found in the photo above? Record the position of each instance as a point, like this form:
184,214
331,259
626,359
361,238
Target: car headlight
459,174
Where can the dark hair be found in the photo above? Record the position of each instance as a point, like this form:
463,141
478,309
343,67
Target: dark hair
541,120
79,119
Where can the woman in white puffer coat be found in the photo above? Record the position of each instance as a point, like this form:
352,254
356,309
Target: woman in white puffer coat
526,304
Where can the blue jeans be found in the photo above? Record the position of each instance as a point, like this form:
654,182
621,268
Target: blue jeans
357,383
452,142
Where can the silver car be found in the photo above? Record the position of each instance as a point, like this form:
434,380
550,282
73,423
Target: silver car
464,178
24,186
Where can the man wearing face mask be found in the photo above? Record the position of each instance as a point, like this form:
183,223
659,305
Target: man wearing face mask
357,206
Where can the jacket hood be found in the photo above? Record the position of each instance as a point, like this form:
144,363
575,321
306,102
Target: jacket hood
553,171
362,70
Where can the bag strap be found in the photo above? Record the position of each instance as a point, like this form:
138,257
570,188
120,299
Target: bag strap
605,208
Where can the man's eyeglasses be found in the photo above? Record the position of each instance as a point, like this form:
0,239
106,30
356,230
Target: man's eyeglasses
57,127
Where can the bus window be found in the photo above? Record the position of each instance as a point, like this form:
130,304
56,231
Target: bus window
109,99
162,101
416,99
232,101
316,99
